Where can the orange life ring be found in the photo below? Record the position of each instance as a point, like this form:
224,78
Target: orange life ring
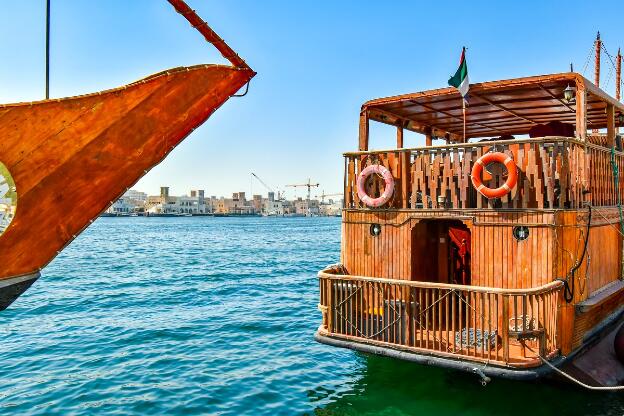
388,190
477,170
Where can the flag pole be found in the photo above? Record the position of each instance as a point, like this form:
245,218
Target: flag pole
464,112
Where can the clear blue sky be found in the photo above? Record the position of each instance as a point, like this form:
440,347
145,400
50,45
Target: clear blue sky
317,62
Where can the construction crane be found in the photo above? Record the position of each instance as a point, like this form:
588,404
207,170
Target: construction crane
309,185
324,195
279,195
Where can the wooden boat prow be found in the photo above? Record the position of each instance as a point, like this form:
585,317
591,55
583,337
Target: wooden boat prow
70,158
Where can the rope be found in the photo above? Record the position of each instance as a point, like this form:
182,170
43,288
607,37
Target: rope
612,63
568,281
569,377
591,50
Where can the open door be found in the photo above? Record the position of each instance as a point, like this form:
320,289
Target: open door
459,242
441,252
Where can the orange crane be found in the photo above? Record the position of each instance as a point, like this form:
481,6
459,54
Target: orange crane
309,185
324,195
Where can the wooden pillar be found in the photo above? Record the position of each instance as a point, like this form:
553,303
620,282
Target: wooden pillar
598,45
429,139
610,125
581,116
400,136
363,142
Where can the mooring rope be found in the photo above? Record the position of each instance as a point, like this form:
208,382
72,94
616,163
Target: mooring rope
569,377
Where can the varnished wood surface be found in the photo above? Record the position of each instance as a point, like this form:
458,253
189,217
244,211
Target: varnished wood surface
427,316
495,108
70,158
553,172
498,260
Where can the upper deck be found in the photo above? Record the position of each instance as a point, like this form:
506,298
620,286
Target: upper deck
542,122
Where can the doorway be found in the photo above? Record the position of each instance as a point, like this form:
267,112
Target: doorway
441,252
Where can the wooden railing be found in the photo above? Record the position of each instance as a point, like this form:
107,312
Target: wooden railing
504,326
553,172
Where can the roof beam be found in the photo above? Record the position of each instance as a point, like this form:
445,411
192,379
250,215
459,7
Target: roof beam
459,118
503,108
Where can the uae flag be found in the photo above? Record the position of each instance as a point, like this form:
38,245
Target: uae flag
460,79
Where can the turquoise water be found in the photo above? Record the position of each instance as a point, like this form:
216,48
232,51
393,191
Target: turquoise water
216,316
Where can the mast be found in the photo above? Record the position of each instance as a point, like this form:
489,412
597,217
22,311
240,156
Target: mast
598,45
618,74
210,35
47,58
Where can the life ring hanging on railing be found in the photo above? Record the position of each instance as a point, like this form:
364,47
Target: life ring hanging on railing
388,189
501,191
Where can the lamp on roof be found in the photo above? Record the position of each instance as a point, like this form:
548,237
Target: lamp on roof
568,94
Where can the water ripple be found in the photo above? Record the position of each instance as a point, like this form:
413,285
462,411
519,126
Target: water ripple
216,316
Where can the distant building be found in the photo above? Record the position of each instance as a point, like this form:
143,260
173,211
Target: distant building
136,197
121,207
331,209
306,207
164,203
237,205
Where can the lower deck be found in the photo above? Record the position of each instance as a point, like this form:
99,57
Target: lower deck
507,327
474,285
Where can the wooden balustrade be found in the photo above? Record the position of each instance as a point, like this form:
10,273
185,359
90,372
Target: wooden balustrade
553,172
506,326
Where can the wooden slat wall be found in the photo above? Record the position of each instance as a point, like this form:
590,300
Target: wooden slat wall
499,260
552,173
387,255
521,264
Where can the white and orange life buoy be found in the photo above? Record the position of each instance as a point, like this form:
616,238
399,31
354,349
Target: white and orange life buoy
388,189
477,170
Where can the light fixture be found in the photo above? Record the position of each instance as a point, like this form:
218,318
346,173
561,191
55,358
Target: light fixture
521,232
375,229
568,94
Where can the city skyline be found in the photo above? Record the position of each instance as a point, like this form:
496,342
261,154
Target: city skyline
315,68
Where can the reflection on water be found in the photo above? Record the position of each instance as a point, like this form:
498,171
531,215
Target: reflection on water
384,386
197,316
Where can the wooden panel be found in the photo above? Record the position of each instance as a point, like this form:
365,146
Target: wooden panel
552,173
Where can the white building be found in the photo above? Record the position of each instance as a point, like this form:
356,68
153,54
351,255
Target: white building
121,207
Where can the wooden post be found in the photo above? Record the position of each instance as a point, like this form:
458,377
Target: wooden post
610,125
618,82
400,136
464,114
429,137
598,45
581,119
363,131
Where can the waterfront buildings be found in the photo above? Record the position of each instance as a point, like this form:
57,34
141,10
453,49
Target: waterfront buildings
196,203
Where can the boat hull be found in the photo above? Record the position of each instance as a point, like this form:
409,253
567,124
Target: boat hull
11,289
71,158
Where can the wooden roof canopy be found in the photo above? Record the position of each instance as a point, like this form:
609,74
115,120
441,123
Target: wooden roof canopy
507,107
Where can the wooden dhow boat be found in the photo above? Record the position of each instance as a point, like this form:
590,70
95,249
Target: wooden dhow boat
498,252
63,161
